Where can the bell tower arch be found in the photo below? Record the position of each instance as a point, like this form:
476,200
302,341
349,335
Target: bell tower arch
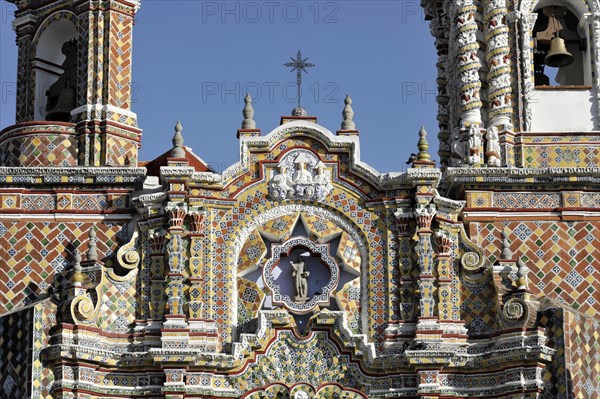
73,85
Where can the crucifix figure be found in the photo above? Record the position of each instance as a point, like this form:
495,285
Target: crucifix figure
299,65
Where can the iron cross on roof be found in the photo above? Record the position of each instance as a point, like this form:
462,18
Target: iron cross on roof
299,65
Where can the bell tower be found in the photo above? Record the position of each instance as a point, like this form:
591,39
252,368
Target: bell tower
513,74
73,85
519,112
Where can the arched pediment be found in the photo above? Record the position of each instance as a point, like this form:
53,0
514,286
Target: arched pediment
321,140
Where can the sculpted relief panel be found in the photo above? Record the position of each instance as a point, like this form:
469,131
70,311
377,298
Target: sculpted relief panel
300,175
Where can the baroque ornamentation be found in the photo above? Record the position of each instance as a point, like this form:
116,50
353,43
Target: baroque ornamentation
518,312
302,302
424,217
301,176
468,62
197,222
176,216
403,222
499,63
157,242
492,152
444,243
128,255
472,262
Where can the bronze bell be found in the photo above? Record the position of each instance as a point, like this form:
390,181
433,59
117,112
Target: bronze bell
558,56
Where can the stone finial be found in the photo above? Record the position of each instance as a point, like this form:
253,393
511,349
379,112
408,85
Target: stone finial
506,252
92,253
77,275
348,114
248,122
299,111
177,151
522,271
423,146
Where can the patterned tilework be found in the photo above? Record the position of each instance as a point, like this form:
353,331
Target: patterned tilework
590,200
44,318
569,151
37,251
475,303
583,362
39,150
348,252
119,53
340,162
119,305
348,299
250,298
289,360
253,202
64,202
253,251
564,257
279,229
320,228
121,152
86,53
556,378
23,78
526,200
16,337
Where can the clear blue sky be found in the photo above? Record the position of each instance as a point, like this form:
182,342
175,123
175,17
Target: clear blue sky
194,60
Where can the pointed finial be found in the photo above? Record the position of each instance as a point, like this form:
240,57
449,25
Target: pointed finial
177,151
248,113
348,114
506,252
92,254
423,146
522,271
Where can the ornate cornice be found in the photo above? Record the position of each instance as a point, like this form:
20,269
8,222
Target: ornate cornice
334,143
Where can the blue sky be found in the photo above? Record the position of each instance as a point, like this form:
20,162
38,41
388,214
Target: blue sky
194,61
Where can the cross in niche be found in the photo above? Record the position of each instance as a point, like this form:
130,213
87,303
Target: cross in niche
299,65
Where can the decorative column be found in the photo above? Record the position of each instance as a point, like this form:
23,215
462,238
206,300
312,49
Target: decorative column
424,212
498,59
25,28
156,306
444,278
440,28
469,89
406,290
203,332
402,318
586,26
424,217
196,291
175,251
524,25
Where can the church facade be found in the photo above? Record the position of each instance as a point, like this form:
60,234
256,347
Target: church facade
300,271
